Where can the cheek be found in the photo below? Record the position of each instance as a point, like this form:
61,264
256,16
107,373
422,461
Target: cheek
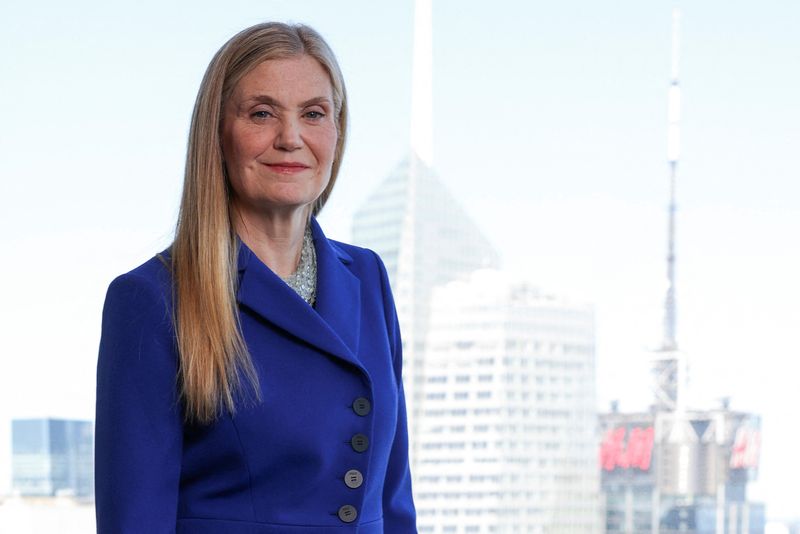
327,144
239,144
229,151
236,146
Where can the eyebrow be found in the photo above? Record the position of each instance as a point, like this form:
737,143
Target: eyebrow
266,99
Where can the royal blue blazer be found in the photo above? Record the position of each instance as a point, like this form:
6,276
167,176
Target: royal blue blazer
325,451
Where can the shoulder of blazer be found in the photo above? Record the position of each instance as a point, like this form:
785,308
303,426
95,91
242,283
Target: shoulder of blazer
363,260
352,253
345,251
157,270
153,277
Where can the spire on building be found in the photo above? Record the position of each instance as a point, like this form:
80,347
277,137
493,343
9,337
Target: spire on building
669,366
673,154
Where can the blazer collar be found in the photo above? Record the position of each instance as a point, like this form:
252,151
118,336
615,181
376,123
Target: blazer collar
334,324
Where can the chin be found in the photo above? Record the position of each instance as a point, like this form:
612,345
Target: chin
288,204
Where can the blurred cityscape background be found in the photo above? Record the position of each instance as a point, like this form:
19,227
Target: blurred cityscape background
595,273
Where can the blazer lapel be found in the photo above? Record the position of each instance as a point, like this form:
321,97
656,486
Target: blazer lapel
334,325
338,290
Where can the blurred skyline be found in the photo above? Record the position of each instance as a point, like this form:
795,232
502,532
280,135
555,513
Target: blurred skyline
549,127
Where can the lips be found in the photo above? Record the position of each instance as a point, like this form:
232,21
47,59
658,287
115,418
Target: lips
287,167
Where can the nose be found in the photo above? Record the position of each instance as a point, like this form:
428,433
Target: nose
289,137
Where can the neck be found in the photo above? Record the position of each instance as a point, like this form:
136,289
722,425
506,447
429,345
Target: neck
276,238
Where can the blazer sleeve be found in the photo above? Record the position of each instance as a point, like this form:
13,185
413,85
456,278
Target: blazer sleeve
399,514
138,433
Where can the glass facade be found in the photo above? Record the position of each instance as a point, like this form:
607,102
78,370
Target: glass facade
52,457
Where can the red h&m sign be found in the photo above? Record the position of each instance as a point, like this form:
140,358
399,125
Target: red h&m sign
635,454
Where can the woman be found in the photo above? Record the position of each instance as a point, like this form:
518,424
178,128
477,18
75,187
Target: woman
249,378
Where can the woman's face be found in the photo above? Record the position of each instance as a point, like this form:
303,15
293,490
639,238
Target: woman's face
279,136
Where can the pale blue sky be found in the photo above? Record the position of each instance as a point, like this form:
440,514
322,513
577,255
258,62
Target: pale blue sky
550,128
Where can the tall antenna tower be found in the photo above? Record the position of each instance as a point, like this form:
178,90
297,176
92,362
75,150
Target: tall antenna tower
673,154
669,367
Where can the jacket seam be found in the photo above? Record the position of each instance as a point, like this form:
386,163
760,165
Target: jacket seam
246,466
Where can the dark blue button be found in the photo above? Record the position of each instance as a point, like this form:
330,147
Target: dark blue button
362,406
360,442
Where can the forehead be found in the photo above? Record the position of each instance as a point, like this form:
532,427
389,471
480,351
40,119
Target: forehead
295,78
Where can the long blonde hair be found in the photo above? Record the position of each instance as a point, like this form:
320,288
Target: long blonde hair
214,358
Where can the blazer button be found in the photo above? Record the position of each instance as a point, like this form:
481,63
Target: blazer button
353,478
360,442
348,513
361,406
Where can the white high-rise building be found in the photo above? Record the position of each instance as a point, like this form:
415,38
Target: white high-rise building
412,221
425,239
507,435
499,380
